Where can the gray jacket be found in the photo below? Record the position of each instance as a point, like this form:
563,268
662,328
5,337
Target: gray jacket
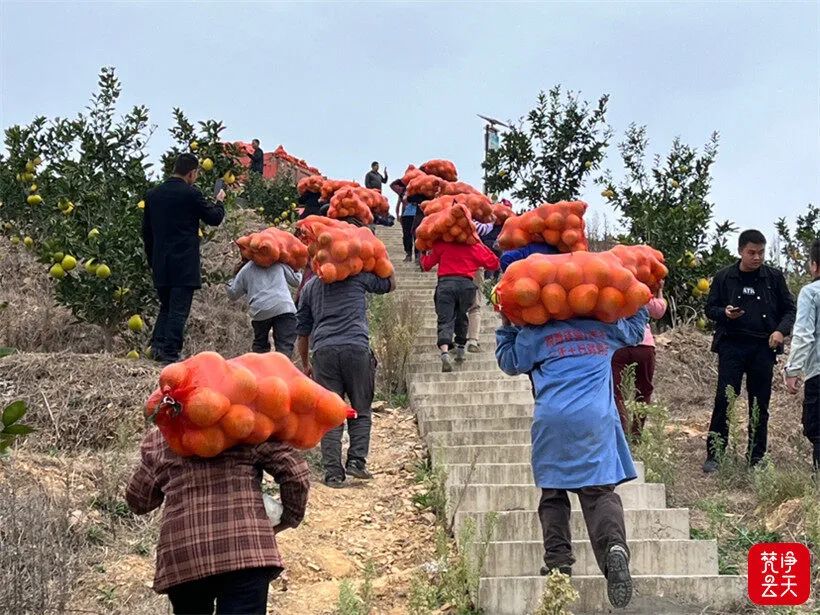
266,288
804,357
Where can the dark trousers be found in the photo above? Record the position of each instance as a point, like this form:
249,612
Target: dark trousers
407,234
811,417
284,334
241,592
756,360
643,358
174,309
603,515
454,296
348,371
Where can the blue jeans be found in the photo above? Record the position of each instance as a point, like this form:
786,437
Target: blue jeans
174,308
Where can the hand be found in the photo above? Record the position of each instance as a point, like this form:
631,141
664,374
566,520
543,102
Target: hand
731,314
659,292
775,339
792,383
220,196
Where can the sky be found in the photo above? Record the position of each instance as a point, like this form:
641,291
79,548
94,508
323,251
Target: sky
342,84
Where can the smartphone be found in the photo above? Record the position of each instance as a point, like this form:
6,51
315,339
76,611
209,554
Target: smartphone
736,310
219,185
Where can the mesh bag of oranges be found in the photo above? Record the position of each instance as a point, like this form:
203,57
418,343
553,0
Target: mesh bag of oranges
480,207
271,246
313,183
350,201
557,224
452,224
444,169
502,213
458,188
423,185
595,285
331,186
410,174
338,250
645,262
205,404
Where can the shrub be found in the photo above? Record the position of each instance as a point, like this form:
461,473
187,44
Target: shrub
394,323
274,199
558,594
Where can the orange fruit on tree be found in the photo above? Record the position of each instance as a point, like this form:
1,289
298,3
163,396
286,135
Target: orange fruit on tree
526,292
205,407
273,398
238,421
204,442
582,299
262,429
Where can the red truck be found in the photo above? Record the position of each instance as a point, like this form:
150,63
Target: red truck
279,163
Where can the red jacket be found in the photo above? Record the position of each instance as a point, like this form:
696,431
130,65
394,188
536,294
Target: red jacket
458,259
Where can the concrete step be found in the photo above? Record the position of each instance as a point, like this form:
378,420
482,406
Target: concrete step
680,557
458,425
459,474
652,595
465,375
490,411
642,523
499,383
504,437
487,329
486,339
430,363
487,498
503,396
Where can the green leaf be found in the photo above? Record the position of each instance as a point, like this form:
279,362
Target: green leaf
13,412
5,351
18,430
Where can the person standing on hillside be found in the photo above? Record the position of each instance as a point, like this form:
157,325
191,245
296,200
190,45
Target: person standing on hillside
455,292
333,342
578,444
170,233
257,158
374,179
642,357
804,357
754,311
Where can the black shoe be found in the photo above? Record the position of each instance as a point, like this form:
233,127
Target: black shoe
460,354
710,466
618,579
545,571
357,470
408,258
446,363
334,482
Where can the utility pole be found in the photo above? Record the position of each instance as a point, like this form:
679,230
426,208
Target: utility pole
490,139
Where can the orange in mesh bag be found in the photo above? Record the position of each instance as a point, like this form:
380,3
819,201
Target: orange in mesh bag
348,202
576,285
452,224
331,186
557,224
479,205
426,186
339,250
645,262
312,183
410,174
271,246
502,213
444,169
205,404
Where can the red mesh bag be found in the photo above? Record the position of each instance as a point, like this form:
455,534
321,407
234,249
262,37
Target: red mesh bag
444,169
558,224
452,224
312,183
271,246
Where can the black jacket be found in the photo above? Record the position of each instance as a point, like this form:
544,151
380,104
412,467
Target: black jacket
773,305
258,161
170,231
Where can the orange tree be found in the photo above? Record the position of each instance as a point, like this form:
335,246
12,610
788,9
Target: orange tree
795,245
667,206
71,188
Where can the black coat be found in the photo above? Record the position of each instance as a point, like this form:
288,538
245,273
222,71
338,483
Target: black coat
170,231
776,303
258,161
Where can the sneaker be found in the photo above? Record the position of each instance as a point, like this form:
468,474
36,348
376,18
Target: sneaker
446,363
618,579
357,469
460,354
545,570
710,466
473,346
334,482
408,258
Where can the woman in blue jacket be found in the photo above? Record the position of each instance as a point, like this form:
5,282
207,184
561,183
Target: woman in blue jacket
578,444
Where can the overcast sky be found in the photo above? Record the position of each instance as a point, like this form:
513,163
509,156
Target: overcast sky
342,84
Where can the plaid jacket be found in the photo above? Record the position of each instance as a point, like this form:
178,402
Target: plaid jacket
214,519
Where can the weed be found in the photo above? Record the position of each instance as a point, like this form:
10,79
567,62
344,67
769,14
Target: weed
353,601
394,324
107,596
558,594
773,486
434,497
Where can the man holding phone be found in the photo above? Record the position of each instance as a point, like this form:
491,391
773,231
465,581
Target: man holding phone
754,311
170,232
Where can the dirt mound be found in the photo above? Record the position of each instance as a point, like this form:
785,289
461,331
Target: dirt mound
78,401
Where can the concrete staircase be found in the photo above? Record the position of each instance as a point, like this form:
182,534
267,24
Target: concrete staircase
476,423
